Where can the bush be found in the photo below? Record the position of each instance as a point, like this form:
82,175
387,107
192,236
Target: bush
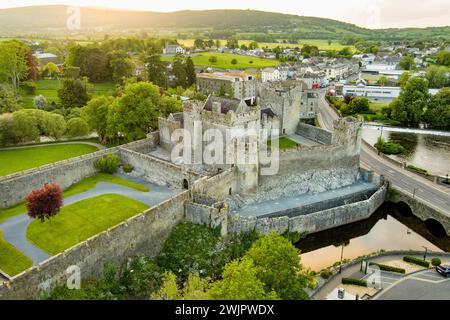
108,164
45,203
436,262
385,267
418,170
388,147
77,127
326,274
355,282
128,168
29,87
417,261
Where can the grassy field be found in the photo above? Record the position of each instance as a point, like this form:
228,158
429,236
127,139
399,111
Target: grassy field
12,261
321,44
49,89
82,186
82,220
224,61
377,106
16,160
284,143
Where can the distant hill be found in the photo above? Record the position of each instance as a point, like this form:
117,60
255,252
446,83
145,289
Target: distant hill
250,23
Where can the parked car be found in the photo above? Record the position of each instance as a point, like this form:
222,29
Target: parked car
444,270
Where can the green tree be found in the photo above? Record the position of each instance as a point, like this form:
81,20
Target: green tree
190,71
411,103
73,93
437,77
24,126
77,127
199,43
194,288
437,114
358,105
95,113
277,265
93,62
443,58
13,64
6,129
212,59
8,100
156,70
382,81
234,61
50,70
179,71
53,125
240,281
407,63
121,65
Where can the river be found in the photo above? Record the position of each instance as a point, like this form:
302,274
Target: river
389,228
430,152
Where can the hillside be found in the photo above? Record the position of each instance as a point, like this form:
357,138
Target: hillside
248,24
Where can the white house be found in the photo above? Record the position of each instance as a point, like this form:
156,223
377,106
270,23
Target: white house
173,49
270,74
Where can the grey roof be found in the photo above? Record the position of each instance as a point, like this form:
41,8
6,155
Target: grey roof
269,112
227,104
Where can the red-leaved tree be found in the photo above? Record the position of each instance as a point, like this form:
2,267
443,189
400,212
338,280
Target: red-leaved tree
45,203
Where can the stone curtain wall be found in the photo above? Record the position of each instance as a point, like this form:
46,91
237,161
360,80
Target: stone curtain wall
158,171
143,233
313,222
15,187
314,133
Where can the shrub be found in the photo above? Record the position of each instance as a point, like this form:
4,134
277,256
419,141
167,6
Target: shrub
44,203
29,87
326,274
355,282
77,127
417,261
108,164
234,61
128,168
388,147
418,170
436,262
385,267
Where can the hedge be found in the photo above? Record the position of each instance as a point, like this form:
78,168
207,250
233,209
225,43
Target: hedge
417,261
385,267
356,282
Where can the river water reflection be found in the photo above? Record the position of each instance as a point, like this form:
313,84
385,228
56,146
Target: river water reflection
430,152
389,228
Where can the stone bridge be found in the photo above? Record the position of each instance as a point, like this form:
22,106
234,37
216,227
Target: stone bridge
432,215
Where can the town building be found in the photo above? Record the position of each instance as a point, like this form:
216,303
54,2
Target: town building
44,58
171,49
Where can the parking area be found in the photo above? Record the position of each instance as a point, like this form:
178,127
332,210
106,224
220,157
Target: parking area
424,285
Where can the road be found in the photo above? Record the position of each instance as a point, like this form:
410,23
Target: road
424,190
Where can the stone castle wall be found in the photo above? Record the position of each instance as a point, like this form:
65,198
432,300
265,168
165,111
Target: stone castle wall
314,133
14,188
143,233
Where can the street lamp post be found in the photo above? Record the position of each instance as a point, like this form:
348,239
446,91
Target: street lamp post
342,255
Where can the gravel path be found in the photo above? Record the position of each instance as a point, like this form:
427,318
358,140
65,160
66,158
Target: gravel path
14,229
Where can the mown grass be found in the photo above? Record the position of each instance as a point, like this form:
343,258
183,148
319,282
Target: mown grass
321,44
12,261
82,186
284,143
49,89
16,160
82,220
224,61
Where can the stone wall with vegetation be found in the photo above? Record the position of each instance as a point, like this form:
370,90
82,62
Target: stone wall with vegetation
143,233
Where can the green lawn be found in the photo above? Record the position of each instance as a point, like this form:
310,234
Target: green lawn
16,160
284,143
377,106
82,220
321,44
224,61
12,261
82,186
49,89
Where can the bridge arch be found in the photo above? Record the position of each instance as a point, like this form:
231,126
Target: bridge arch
404,209
436,228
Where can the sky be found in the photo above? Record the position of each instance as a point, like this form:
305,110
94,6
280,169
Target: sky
365,13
